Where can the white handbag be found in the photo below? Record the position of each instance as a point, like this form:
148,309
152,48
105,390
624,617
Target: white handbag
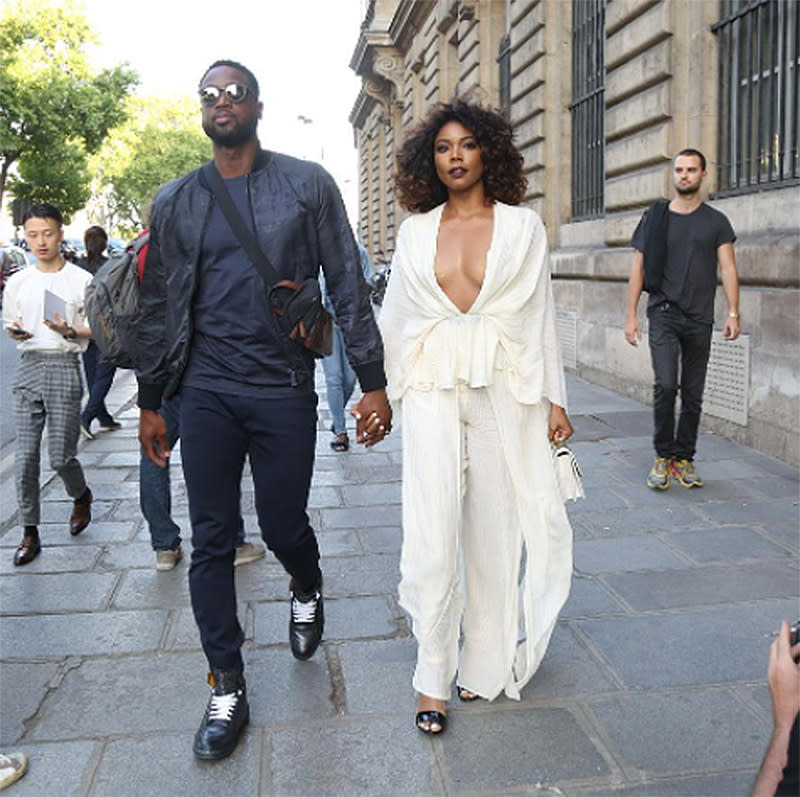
568,473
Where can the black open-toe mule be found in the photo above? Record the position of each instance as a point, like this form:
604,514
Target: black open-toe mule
340,443
430,718
467,695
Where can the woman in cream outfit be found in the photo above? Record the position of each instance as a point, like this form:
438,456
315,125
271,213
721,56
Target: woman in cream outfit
472,358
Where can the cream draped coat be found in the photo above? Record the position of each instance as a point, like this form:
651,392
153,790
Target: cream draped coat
506,342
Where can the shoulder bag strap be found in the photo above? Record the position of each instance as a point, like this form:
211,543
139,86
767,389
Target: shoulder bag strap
239,228
252,250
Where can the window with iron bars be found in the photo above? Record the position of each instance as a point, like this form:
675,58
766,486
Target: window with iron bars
587,107
759,94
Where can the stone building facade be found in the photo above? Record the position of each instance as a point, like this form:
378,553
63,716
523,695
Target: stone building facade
601,94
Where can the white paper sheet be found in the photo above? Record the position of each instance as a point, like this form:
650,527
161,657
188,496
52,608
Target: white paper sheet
54,305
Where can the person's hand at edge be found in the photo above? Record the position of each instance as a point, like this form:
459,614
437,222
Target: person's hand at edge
783,674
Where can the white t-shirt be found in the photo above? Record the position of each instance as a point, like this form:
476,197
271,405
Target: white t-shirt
23,301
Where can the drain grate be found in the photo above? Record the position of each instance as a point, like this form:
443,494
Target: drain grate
728,379
567,330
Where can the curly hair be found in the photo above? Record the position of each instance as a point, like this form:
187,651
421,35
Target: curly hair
419,187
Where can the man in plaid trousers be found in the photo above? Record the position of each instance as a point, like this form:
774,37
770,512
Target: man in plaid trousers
43,310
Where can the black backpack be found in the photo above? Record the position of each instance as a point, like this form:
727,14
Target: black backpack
112,306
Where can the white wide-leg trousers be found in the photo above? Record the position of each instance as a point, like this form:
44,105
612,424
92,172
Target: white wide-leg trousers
462,542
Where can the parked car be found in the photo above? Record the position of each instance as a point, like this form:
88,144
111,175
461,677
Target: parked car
73,249
12,259
22,244
116,247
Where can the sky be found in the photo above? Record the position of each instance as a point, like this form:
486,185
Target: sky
298,49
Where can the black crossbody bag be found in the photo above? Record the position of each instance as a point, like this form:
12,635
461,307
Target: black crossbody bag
298,305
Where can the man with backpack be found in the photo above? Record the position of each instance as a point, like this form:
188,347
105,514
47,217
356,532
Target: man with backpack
99,372
207,330
112,306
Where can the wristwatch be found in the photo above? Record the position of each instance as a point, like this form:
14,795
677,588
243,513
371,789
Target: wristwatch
733,314
70,334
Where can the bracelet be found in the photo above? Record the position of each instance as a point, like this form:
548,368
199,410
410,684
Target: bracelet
70,334
732,314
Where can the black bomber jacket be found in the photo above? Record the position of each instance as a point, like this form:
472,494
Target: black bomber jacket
300,223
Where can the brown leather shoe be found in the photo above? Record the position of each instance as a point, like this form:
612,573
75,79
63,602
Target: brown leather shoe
27,550
81,513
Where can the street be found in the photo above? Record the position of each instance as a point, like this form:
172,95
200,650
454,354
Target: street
8,364
654,682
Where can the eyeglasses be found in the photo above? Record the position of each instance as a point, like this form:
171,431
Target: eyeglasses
235,92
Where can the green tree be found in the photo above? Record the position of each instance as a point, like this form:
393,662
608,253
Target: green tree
159,141
54,110
60,176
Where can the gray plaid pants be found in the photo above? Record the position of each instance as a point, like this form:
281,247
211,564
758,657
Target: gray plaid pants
47,389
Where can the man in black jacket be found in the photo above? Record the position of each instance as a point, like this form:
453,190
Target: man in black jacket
205,329
678,247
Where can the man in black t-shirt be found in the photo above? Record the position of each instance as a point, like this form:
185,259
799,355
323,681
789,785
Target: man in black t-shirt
678,246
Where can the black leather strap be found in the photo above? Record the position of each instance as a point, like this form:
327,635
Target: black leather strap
239,228
253,251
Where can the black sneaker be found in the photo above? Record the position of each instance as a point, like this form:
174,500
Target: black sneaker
306,621
226,714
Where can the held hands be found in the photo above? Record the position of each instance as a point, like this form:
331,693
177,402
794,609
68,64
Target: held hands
783,674
633,331
374,417
153,437
559,429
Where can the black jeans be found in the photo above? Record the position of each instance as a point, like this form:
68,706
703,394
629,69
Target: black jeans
278,436
678,345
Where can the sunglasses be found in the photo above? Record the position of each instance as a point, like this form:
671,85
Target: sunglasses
235,92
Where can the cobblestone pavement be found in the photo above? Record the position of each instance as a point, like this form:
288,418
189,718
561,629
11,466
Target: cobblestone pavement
654,683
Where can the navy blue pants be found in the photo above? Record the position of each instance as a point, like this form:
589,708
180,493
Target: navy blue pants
155,490
99,377
679,350
279,436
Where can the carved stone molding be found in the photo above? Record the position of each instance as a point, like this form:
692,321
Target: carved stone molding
379,90
389,65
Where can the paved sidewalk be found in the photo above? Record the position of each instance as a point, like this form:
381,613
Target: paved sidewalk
654,683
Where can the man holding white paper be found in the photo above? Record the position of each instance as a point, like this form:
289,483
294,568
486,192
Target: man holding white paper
43,310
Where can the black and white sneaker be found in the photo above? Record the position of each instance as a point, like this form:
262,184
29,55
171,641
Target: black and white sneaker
306,621
226,714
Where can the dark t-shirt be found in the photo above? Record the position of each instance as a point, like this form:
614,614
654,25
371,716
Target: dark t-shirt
83,262
235,346
690,272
